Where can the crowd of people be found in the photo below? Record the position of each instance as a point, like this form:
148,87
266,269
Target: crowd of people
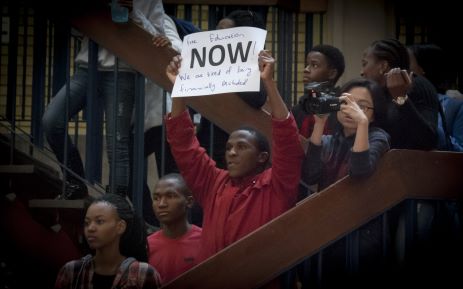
398,102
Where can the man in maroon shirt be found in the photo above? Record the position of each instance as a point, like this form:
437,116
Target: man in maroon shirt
249,193
175,248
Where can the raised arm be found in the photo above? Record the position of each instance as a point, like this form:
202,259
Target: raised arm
266,66
286,148
178,103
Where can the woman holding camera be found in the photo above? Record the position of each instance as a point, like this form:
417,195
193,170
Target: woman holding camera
354,149
357,144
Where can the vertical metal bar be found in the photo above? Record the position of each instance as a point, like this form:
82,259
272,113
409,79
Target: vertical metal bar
114,129
308,33
296,52
38,78
281,52
12,75
163,136
352,252
66,113
322,15
12,64
1,40
274,28
320,269
290,57
385,235
138,174
49,61
188,14
94,116
60,55
410,223
24,64
200,18
76,117
285,30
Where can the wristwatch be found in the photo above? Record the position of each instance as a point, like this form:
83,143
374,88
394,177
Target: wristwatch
400,100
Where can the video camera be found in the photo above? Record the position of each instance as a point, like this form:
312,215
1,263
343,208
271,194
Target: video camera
319,98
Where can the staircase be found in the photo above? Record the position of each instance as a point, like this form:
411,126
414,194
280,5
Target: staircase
36,230
331,214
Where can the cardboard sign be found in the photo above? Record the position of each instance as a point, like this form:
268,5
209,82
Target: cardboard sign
220,61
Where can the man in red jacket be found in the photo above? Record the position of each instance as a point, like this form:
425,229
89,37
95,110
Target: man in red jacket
249,193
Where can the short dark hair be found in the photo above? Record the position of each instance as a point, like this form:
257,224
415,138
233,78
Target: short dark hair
334,57
262,142
183,188
133,241
246,18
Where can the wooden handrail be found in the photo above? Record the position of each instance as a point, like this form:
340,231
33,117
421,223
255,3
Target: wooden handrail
133,44
326,216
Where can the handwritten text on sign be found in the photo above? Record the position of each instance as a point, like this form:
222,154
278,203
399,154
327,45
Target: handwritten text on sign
220,61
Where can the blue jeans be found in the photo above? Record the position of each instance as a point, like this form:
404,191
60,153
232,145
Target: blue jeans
54,120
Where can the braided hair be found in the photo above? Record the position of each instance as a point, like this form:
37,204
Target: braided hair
133,241
392,51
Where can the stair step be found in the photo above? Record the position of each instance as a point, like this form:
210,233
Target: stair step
16,169
51,203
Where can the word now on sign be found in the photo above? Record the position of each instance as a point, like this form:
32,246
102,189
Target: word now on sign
220,61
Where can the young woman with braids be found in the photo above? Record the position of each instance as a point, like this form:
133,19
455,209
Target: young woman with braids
117,238
414,104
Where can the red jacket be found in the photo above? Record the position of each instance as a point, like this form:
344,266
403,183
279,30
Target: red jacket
232,208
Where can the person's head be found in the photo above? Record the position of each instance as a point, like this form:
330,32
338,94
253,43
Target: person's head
370,97
110,219
247,152
240,18
430,61
172,199
324,63
381,56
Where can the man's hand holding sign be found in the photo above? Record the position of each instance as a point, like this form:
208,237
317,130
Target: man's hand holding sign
256,186
220,61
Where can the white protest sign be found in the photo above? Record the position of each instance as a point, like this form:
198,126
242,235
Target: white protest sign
220,61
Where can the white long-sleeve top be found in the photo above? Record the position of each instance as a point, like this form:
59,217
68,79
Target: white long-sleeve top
150,16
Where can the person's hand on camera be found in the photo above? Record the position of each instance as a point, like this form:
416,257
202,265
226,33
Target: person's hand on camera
321,118
352,110
173,68
318,128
